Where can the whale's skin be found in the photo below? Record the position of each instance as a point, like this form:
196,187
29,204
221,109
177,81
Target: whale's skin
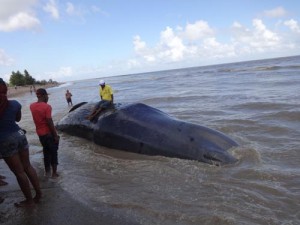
146,130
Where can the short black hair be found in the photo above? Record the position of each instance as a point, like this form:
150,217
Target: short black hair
41,91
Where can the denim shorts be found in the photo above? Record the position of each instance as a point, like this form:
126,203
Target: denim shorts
103,104
13,143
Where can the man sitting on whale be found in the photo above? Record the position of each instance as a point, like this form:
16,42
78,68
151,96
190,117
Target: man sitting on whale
107,100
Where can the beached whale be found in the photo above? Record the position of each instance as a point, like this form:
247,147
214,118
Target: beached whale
143,129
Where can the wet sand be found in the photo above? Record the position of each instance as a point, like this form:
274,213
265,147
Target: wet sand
56,207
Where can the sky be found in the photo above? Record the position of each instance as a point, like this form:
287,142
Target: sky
74,40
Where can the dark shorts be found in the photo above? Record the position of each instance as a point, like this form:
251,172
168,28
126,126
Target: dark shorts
13,143
69,100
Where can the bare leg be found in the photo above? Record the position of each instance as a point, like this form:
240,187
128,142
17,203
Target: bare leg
31,174
94,114
15,165
54,171
91,116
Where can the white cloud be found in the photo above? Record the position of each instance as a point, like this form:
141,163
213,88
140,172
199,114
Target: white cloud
5,60
198,42
64,71
170,48
96,9
70,8
51,7
276,12
132,63
16,15
236,25
200,29
19,21
73,10
139,45
293,25
262,36
176,46
257,39
11,7
81,11
171,45
141,49
214,49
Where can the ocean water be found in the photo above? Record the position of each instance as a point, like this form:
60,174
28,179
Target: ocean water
256,103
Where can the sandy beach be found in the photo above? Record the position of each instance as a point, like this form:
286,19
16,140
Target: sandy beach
20,90
56,206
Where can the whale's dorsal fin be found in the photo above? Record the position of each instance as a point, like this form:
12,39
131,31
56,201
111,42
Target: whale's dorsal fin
77,106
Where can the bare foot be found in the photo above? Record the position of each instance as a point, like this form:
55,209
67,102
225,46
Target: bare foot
37,197
25,203
48,174
55,175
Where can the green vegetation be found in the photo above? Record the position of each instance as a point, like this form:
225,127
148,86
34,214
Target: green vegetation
19,79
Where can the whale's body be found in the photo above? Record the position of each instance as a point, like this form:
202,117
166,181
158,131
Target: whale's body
143,129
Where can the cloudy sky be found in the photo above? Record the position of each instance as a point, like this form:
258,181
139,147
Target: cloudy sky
72,40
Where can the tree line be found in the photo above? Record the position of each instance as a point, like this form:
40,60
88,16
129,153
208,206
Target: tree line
19,79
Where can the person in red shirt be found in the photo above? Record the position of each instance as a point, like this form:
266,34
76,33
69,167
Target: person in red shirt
41,114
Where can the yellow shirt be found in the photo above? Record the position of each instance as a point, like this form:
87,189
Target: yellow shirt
106,93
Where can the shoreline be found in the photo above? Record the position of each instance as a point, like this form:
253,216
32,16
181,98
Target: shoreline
21,90
57,206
